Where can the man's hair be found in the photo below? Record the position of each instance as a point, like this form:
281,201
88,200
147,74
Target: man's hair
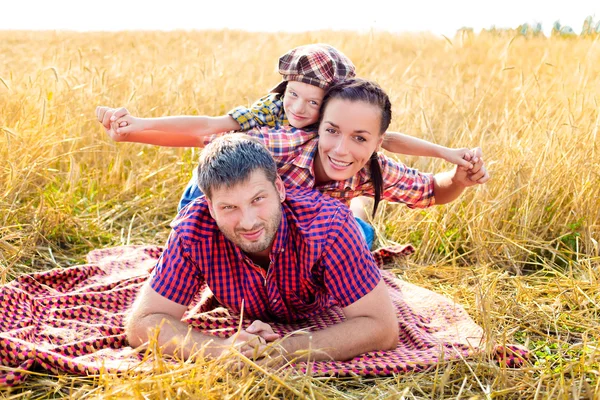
231,159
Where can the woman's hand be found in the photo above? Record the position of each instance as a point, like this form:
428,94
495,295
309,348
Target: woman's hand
478,174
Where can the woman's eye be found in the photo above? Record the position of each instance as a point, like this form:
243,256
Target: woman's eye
360,139
330,130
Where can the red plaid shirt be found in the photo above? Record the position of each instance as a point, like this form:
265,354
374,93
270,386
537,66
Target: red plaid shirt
294,151
318,259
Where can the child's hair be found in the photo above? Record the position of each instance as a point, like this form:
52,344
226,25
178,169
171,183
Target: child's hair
317,64
371,93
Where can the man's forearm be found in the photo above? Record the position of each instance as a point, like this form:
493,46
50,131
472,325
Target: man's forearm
343,341
174,336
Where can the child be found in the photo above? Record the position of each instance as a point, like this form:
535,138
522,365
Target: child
307,72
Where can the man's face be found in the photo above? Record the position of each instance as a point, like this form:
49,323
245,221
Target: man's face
249,213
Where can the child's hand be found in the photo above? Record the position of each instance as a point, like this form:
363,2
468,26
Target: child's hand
108,116
105,115
460,157
118,123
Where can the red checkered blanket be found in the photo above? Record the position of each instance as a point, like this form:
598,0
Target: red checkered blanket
71,320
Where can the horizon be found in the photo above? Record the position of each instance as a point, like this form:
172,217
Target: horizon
113,15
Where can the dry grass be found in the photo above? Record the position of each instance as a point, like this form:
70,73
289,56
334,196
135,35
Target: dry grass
521,253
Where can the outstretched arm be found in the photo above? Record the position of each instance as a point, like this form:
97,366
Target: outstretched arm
401,143
179,131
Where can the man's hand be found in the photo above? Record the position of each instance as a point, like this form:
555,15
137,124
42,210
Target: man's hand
263,330
253,341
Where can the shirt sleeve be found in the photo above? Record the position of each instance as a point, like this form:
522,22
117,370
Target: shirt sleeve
406,185
349,270
267,111
175,276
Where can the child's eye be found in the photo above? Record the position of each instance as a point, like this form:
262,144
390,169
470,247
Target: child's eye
314,103
294,94
259,198
228,208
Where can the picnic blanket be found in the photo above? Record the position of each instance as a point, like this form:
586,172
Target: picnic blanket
72,320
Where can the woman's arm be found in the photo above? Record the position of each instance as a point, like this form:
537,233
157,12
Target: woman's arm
450,184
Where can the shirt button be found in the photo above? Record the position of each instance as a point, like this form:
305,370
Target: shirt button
274,301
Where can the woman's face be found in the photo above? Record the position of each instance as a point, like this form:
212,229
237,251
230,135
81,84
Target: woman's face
349,134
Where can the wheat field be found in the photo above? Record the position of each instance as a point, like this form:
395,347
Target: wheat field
520,253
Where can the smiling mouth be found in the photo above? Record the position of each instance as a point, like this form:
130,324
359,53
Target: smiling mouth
251,235
339,163
297,116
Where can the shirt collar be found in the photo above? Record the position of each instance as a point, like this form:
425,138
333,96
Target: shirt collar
307,155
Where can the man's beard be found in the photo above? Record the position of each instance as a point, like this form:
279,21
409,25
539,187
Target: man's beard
270,230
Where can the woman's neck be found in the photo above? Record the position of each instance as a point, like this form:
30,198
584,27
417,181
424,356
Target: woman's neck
320,175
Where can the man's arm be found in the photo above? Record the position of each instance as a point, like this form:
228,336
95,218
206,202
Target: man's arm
151,311
370,325
401,143
179,131
450,184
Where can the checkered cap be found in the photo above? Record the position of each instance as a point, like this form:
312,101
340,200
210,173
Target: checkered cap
316,64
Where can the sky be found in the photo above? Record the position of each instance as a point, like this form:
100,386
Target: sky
438,17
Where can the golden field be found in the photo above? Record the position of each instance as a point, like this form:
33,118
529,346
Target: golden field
521,252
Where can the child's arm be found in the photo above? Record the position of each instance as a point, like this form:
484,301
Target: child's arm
180,131
404,144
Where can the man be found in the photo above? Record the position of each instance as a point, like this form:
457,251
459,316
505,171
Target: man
273,253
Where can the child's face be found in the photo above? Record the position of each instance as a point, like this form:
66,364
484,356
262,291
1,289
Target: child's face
301,103
349,134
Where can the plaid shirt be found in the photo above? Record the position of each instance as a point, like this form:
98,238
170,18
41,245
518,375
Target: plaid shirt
267,111
294,151
318,259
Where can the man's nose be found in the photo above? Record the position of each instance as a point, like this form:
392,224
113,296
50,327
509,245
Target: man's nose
248,219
